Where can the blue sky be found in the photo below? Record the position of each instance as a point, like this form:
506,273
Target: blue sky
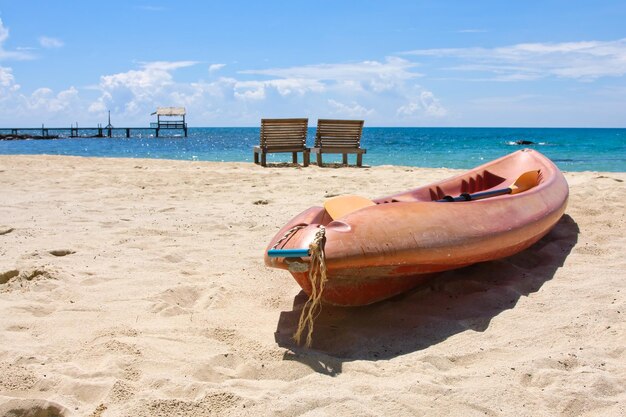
393,63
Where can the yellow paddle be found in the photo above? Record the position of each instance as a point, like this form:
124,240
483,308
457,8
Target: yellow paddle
526,181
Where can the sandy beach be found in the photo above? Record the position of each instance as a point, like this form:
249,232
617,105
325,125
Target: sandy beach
136,287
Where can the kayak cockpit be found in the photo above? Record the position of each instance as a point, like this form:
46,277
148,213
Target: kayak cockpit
471,182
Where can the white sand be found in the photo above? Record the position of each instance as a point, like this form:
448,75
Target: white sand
137,288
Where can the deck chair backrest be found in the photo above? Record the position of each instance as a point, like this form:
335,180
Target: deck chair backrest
283,133
338,133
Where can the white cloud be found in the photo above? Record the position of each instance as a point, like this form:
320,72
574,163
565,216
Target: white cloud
257,90
97,106
216,67
7,83
153,75
393,68
250,90
585,60
167,65
431,104
19,55
48,42
349,110
365,89
137,80
426,104
136,90
6,77
343,82
44,100
370,89
4,32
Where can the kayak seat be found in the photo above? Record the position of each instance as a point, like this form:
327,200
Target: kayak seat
342,205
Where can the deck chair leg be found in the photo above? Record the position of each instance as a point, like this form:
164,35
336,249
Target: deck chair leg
359,159
345,159
264,159
295,157
306,158
319,159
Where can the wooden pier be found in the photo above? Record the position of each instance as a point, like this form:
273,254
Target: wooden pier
89,132
173,119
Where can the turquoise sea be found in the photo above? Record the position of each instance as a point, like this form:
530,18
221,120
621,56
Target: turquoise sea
571,149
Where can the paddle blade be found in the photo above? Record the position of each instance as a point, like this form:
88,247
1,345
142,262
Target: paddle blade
341,205
524,182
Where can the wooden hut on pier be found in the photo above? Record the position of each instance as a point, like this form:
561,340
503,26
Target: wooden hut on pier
169,118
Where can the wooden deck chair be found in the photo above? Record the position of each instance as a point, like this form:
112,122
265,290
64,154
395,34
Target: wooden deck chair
283,135
339,136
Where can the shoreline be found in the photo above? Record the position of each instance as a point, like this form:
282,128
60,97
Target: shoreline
281,165
137,287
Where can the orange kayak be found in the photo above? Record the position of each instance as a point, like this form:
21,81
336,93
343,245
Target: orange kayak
375,249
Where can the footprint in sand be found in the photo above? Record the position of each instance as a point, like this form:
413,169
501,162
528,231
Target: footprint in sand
224,366
247,359
61,252
175,301
33,407
214,404
6,276
174,258
186,299
38,309
14,278
219,368
548,370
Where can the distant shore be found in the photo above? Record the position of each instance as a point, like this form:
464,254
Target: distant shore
26,136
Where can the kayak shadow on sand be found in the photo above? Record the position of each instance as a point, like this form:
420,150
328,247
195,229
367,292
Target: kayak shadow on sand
452,302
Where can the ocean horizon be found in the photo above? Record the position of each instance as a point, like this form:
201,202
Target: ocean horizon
571,149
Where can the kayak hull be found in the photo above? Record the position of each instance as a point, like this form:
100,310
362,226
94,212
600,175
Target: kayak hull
405,239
